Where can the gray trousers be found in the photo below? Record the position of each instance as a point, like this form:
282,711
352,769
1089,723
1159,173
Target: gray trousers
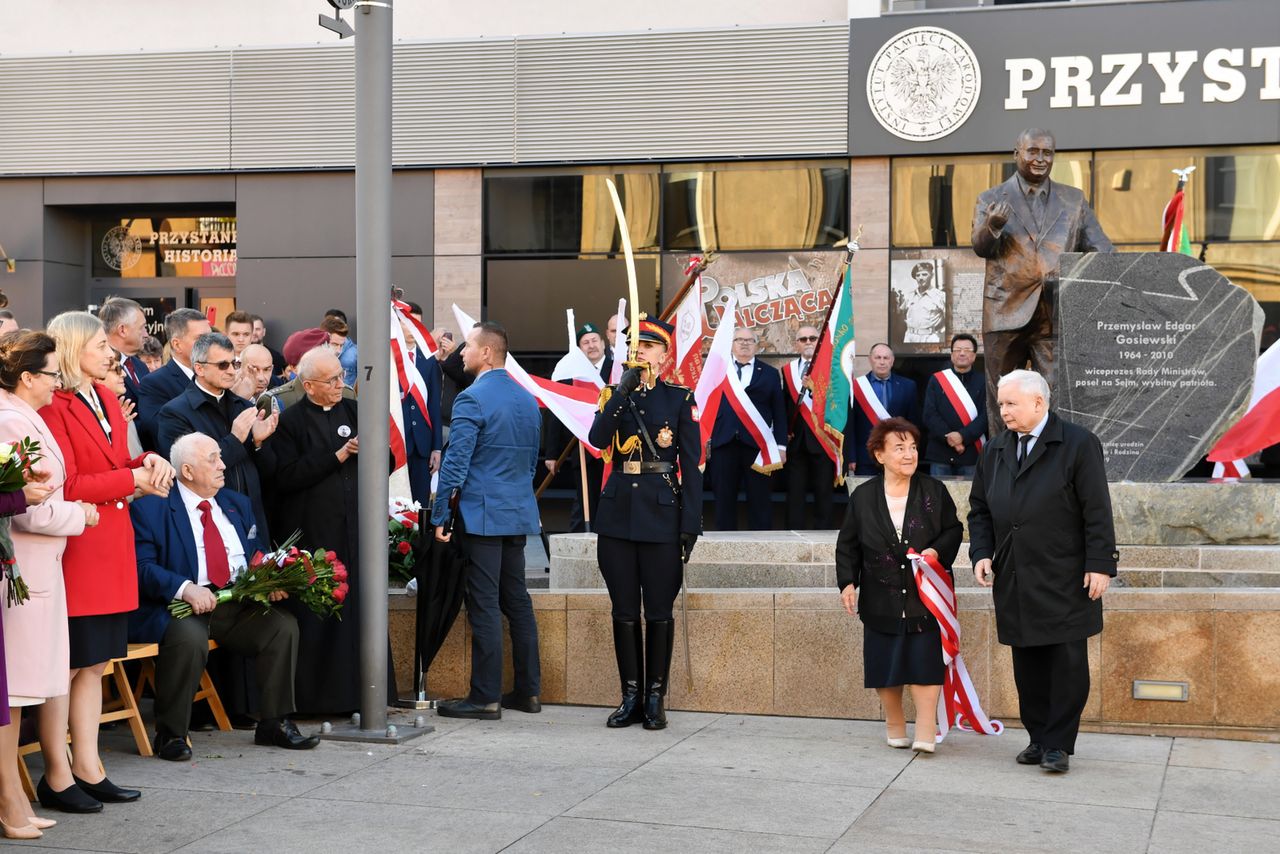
268,635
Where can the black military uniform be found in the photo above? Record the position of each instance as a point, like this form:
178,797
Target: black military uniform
650,509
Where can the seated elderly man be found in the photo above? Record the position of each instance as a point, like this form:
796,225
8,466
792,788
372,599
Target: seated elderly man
189,545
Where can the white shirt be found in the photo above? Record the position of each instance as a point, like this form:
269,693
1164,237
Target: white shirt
189,371
747,369
230,539
1035,433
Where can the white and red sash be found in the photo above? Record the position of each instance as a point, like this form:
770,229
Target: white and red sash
867,400
794,383
958,704
961,401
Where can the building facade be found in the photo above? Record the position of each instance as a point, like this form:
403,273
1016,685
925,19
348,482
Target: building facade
187,174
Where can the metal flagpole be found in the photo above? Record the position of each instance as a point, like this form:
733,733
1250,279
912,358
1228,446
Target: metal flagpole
373,312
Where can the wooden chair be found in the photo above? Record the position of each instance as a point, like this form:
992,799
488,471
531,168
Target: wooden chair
120,703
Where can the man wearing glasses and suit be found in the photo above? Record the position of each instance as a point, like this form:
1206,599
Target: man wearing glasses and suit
811,467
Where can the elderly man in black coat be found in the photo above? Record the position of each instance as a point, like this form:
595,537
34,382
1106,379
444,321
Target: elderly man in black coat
1040,523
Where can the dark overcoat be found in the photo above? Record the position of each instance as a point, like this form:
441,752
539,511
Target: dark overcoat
870,556
1025,254
1043,528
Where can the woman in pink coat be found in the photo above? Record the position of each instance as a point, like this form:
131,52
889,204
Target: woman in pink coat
35,632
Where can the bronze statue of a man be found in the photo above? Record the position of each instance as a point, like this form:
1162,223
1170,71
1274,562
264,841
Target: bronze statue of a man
1022,227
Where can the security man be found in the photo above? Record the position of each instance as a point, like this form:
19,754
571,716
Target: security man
650,517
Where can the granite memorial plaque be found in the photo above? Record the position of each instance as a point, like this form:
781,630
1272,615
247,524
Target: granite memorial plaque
1156,354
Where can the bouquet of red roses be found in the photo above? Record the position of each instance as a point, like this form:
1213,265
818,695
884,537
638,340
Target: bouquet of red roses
403,529
317,579
16,460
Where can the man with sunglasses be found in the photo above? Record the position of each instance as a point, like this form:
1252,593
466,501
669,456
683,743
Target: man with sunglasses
811,467
208,406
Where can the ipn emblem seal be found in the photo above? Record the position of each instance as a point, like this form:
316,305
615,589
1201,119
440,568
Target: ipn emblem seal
923,83
120,249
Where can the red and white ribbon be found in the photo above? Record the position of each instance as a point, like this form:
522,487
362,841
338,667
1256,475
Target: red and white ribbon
960,399
770,457
867,400
958,704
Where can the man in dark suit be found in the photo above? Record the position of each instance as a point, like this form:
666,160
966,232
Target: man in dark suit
954,431
423,433
189,545
1022,227
240,429
491,458
880,394
733,451
809,467
592,346
183,327
1040,522
126,326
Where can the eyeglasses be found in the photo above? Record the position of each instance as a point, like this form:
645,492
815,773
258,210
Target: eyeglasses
56,375
332,382
805,339
116,368
963,350
223,365
744,341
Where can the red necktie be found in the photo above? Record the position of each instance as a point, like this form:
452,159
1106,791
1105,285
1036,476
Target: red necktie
215,550
128,369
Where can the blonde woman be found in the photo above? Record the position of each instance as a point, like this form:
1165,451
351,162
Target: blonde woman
99,569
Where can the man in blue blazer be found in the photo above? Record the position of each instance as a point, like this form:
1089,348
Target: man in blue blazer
733,451
159,387
492,458
126,327
423,436
208,406
190,544
894,392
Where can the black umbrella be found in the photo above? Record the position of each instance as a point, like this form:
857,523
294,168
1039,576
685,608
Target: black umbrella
441,572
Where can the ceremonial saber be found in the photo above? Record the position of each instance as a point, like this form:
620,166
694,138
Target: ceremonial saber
633,328
633,336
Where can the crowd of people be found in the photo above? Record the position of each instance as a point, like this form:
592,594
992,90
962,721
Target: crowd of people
161,471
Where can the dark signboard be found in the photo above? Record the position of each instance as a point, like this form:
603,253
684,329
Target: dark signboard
1123,75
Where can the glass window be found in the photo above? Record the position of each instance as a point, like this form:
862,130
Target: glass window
785,205
529,295
151,247
558,213
1234,194
933,198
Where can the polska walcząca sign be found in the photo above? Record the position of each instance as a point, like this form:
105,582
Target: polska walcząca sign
1172,73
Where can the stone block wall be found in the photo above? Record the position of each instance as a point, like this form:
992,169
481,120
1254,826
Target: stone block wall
795,652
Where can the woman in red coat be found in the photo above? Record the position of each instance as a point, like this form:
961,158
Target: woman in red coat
98,566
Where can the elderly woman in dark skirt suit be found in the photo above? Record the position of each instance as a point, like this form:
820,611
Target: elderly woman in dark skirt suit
889,514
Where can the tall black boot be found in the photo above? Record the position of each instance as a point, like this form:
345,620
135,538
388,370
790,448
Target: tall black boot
659,638
628,649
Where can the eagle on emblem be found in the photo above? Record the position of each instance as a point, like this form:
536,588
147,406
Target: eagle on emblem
921,85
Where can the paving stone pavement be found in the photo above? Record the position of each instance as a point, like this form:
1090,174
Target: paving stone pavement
561,782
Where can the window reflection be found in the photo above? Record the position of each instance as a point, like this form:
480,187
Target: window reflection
755,206
533,213
933,198
529,295
1234,194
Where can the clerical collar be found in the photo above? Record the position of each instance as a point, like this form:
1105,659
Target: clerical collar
217,397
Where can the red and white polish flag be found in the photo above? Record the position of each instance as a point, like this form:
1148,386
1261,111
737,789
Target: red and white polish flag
709,391
575,366
1259,427
958,704
574,407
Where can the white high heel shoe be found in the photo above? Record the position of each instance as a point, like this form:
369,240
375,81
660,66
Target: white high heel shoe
899,743
922,746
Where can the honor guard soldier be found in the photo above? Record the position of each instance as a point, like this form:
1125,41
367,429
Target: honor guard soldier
649,519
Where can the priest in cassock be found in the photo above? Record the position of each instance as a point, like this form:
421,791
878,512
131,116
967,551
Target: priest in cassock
315,491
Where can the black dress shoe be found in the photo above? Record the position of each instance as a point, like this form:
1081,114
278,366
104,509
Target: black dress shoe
171,748
1056,760
464,708
1031,755
284,733
107,791
530,704
242,722
70,799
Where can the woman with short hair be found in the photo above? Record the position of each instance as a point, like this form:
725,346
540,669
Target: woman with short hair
890,514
